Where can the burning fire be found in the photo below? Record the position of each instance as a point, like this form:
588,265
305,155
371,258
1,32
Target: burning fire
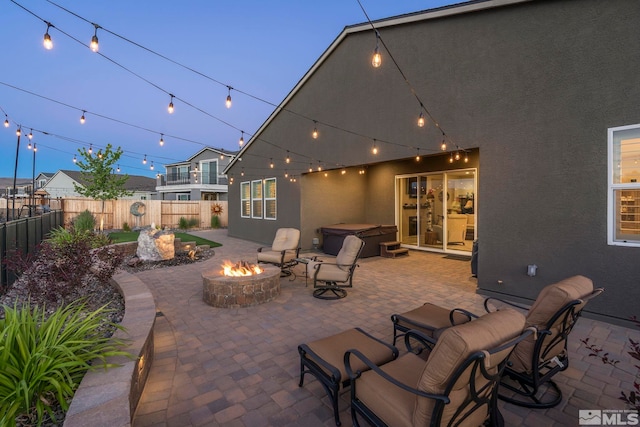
242,268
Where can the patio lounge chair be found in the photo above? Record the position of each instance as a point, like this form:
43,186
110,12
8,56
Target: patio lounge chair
332,277
456,385
284,250
528,378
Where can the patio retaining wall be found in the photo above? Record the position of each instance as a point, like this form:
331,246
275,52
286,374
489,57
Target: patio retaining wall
110,397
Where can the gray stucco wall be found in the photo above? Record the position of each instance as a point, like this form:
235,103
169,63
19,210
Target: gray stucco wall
534,86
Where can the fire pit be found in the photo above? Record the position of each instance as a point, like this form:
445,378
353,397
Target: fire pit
240,285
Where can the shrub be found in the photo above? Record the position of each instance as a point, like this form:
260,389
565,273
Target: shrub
84,222
215,221
125,226
44,359
183,224
193,222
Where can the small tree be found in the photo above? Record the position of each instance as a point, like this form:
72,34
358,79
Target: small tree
100,182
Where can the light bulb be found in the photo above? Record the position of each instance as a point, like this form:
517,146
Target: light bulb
18,132
443,146
421,120
29,146
48,44
151,167
376,61
30,134
315,132
271,163
451,158
90,148
227,103
75,159
242,172
286,174
418,156
94,39
288,159
319,168
466,158
34,147
144,161
457,155
170,107
118,170
6,121
241,141
82,119
161,139
310,168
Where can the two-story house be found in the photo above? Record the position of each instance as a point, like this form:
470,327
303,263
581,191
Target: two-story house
199,177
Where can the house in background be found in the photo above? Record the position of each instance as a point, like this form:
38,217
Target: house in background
43,178
529,142
200,177
61,185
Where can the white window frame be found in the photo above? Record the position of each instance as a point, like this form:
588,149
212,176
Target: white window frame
269,199
613,164
258,185
179,196
245,200
201,170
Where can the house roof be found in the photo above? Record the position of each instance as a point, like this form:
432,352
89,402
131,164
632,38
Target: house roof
455,9
134,183
8,182
217,151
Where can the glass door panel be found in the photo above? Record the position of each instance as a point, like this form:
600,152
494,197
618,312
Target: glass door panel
408,210
460,219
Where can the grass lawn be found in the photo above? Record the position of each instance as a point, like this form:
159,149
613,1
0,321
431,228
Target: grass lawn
132,236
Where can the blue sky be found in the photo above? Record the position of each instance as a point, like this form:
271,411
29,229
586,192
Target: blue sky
257,47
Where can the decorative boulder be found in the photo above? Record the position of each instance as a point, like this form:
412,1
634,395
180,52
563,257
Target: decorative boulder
155,245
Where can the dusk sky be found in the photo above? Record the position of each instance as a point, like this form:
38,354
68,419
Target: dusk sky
258,48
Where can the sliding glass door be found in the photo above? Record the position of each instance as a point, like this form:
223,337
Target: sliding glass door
437,210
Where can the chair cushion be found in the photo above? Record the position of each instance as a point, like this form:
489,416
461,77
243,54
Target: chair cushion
453,347
551,299
332,349
274,257
433,318
286,238
349,252
392,404
327,272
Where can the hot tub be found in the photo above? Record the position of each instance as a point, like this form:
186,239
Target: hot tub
372,234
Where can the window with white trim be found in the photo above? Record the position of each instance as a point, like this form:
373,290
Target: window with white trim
270,204
245,199
624,186
256,199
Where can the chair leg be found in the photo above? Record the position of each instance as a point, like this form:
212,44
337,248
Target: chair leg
334,293
546,395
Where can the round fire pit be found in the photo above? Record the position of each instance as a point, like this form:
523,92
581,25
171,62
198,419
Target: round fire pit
244,291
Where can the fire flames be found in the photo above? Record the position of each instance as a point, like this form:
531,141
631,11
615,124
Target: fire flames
241,268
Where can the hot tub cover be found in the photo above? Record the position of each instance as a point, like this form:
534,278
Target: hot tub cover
372,234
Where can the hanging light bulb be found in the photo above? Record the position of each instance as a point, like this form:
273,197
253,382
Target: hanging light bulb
443,146
90,148
29,146
271,163
170,107
466,157
374,150
242,172
161,139
418,155
6,121
144,161
241,141
48,44
376,60
315,133
18,131
82,119
94,39
310,167
343,171
30,136
118,170
451,158
457,157
319,167
227,103
286,174
288,159
75,159
421,120
99,154
34,147
151,167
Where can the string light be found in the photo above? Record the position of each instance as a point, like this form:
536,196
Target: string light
286,174
151,167
466,157
30,136
144,161
170,107
161,139
443,146
320,167
29,146
241,141
82,119
90,148
34,147
288,159
457,156
421,120
315,133
376,60
6,121
242,172
48,44
94,40
418,155
118,170
310,167
374,149
451,158
227,103
271,163
18,131
75,159
343,171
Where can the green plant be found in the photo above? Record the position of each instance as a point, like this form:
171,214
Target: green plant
183,224
44,358
84,222
125,226
215,221
193,222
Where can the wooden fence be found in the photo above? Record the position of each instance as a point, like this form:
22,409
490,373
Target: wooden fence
165,213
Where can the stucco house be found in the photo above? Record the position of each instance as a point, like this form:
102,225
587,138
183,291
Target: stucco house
200,177
60,185
530,141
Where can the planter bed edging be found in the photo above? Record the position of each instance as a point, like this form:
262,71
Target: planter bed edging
110,397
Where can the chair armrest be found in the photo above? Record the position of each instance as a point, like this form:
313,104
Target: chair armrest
264,247
304,349
422,338
353,376
469,315
512,304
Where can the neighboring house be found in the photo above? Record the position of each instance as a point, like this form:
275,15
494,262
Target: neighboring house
43,178
61,185
200,177
538,98
23,187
